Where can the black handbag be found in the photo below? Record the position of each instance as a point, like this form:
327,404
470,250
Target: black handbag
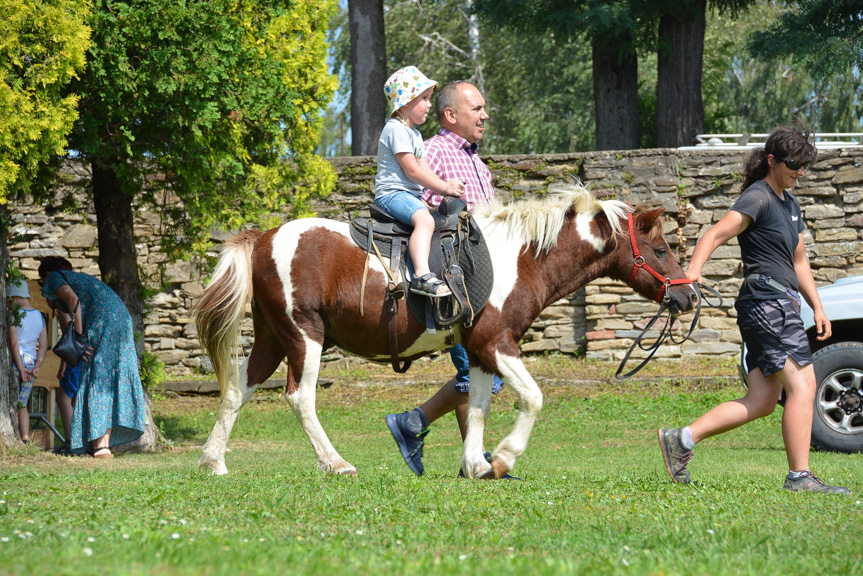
71,345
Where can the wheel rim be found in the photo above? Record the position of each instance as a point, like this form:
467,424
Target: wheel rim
840,401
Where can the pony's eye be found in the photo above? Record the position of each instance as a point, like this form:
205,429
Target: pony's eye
661,252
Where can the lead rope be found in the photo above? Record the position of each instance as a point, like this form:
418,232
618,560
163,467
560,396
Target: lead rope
666,332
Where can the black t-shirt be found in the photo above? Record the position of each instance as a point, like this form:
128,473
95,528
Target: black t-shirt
767,246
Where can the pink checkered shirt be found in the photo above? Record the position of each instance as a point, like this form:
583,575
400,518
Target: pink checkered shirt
452,157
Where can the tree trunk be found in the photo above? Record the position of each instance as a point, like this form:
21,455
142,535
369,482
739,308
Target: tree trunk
368,74
8,384
118,263
473,39
118,257
615,94
679,107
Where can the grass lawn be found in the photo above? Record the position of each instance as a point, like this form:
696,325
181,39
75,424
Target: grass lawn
594,498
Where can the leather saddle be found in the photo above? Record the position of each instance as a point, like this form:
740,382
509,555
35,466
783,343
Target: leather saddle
459,256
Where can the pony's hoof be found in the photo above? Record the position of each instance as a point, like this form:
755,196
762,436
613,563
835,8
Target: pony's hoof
497,471
339,468
216,467
345,470
487,475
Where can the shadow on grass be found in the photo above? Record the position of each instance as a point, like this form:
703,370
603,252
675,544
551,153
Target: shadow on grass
177,428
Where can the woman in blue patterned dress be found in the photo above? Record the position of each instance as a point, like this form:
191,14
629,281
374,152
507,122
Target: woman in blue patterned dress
109,405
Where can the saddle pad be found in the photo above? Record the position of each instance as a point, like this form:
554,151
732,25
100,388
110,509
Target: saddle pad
473,258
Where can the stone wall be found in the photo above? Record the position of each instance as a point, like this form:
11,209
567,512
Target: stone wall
696,188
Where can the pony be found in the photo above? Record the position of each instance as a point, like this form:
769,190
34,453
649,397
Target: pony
303,282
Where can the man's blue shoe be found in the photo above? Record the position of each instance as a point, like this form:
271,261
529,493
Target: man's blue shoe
408,430
488,459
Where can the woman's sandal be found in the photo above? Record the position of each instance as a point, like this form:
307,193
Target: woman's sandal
428,285
103,452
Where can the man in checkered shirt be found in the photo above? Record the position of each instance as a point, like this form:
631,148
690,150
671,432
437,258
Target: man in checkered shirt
452,154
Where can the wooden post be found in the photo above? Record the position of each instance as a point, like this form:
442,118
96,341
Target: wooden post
48,372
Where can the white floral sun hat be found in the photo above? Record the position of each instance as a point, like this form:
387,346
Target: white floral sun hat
405,85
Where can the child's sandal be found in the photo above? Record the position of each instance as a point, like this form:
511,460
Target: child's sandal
428,285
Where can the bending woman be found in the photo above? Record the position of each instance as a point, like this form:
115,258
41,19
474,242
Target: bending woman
767,222
109,404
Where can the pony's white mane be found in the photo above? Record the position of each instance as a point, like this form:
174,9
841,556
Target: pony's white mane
539,220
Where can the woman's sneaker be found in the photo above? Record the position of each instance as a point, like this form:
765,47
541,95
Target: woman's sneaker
809,482
676,457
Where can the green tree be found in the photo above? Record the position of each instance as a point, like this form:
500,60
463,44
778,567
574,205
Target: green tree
368,73
42,45
209,110
612,28
826,36
743,93
537,87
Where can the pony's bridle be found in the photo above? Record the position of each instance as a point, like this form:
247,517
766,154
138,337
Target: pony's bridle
641,264
664,300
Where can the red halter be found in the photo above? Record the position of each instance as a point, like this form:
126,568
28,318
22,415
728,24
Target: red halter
639,264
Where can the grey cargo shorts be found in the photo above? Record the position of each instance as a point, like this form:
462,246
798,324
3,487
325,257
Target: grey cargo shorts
772,331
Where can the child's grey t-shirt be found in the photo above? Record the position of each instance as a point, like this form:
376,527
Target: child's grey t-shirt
395,139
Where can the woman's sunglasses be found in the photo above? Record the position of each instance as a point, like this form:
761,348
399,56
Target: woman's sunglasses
792,165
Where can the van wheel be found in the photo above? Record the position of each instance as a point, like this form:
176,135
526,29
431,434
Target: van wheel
837,424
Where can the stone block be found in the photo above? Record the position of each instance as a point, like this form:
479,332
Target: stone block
538,346
720,267
613,344
611,324
820,211
162,330
726,252
732,336
705,335
171,357
558,331
179,272
597,335
833,235
604,299
557,312
80,236
820,191
640,308
711,348
839,248
717,323
827,223
852,197
848,175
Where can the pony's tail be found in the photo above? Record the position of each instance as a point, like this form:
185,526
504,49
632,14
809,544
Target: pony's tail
223,303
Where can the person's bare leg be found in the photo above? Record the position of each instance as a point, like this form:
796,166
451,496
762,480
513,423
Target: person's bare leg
760,400
797,417
420,241
443,402
64,405
461,402
24,424
101,445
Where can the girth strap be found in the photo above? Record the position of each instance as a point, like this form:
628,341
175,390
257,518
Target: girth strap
393,330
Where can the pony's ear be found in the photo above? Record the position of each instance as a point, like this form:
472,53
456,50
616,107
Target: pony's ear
646,220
